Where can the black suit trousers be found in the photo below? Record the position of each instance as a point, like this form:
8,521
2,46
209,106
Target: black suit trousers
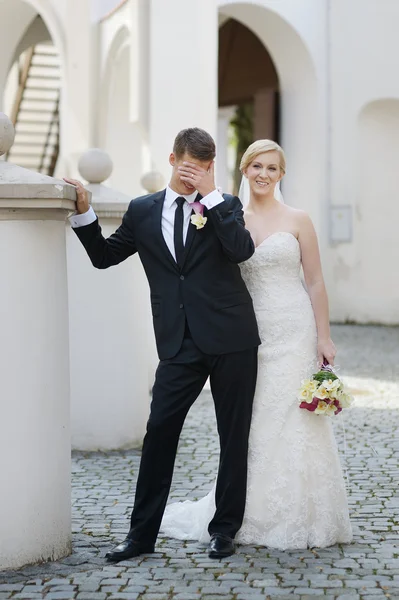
178,383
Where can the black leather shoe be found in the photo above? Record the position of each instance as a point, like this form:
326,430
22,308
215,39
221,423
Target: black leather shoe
128,549
221,546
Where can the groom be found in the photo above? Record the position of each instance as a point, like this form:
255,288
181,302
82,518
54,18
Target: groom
190,240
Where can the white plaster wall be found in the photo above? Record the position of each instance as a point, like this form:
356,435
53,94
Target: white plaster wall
35,498
182,74
80,93
364,271
123,139
127,25
36,33
109,329
101,8
121,136
364,156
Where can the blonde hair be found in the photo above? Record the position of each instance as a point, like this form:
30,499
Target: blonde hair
259,147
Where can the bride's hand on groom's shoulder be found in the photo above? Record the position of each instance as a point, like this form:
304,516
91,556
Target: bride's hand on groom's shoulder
326,351
82,196
203,180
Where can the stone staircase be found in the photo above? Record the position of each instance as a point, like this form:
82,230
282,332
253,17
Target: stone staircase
36,110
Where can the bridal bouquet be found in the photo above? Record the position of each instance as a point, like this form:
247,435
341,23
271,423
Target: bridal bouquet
324,393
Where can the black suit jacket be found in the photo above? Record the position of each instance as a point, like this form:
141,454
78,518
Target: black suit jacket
208,290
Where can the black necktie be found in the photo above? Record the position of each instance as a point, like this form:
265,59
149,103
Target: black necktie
178,231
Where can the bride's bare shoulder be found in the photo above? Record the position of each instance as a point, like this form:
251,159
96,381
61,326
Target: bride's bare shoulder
292,210
296,213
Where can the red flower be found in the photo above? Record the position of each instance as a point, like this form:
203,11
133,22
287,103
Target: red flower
312,406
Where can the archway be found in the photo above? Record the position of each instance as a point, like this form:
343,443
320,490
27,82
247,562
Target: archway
248,95
31,82
297,118
377,214
122,137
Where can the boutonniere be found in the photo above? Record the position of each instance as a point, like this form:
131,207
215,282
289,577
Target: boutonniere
198,218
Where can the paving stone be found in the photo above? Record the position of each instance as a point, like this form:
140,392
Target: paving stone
256,596
275,591
61,588
231,576
333,583
307,592
211,597
265,583
151,596
60,596
124,596
315,597
29,596
360,583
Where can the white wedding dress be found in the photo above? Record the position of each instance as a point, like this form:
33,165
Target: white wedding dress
296,495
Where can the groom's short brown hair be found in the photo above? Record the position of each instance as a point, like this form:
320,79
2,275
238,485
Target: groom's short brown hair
196,142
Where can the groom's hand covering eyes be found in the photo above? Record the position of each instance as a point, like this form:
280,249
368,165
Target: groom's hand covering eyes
202,180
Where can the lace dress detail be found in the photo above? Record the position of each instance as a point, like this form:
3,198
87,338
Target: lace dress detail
296,495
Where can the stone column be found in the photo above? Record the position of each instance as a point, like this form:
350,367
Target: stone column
35,499
80,98
110,323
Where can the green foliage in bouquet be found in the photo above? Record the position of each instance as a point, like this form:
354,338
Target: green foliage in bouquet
324,375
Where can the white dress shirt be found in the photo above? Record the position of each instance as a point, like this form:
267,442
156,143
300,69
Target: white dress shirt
168,214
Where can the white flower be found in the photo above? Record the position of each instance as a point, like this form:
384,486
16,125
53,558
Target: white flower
345,400
198,220
311,385
332,385
305,396
321,408
330,410
307,390
322,393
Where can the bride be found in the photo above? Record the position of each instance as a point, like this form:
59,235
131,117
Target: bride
296,494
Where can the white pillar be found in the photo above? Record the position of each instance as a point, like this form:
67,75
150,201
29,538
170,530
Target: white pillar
79,101
35,498
110,320
223,176
183,73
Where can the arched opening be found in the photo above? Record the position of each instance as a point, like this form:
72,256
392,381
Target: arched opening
377,214
248,95
283,64
122,137
31,88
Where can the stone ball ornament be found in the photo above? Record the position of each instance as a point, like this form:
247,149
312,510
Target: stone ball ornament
95,165
152,181
7,134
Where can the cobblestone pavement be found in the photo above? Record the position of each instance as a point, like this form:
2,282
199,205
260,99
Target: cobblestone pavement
367,569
